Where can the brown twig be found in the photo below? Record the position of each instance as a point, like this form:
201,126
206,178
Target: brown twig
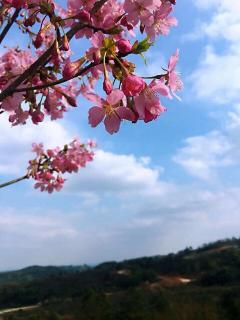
55,83
6,184
9,25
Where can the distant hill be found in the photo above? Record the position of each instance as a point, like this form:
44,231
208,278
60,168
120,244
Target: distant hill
193,284
36,273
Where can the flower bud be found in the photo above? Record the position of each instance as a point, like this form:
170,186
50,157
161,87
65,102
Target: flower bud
29,22
37,116
125,23
132,85
39,40
71,68
65,45
107,86
124,46
84,16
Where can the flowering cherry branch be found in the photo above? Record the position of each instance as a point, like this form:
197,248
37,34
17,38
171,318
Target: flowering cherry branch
45,80
49,165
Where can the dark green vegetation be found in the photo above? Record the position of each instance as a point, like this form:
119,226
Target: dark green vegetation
192,284
35,273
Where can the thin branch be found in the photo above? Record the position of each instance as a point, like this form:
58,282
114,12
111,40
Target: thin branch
13,181
33,68
55,83
9,25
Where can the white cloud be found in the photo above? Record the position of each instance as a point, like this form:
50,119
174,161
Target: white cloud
217,77
225,20
15,142
116,173
201,155
30,225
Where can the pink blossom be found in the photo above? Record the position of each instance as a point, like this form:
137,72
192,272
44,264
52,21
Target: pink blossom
132,85
13,102
161,22
38,148
173,79
140,10
147,104
110,110
19,116
48,165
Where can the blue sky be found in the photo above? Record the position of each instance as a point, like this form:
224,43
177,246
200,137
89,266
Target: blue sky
152,188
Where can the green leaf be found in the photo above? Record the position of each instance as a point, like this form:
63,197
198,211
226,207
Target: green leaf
142,46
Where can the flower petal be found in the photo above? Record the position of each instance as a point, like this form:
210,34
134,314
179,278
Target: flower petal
95,116
125,113
94,98
112,123
115,96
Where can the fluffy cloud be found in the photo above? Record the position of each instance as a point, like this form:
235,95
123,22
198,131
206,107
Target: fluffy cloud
225,20
15,142
217,77
203,155
117,174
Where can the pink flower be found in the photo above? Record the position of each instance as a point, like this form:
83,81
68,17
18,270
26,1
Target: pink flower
160,22
13,102
140,10
18,117
38,148
110,110
147,104
173,79
48,165
132,85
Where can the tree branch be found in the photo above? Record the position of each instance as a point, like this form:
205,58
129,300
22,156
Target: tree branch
45,56
9,25
13,181
33,68
54,83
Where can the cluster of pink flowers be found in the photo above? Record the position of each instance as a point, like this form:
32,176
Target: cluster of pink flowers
48,166
136,100
45,79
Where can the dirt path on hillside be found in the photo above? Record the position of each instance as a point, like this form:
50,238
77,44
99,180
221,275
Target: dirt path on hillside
2,312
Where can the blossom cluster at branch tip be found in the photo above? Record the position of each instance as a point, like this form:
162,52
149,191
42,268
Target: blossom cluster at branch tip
45,79
49,165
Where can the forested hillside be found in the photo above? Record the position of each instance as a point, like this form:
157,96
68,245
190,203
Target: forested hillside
192,284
